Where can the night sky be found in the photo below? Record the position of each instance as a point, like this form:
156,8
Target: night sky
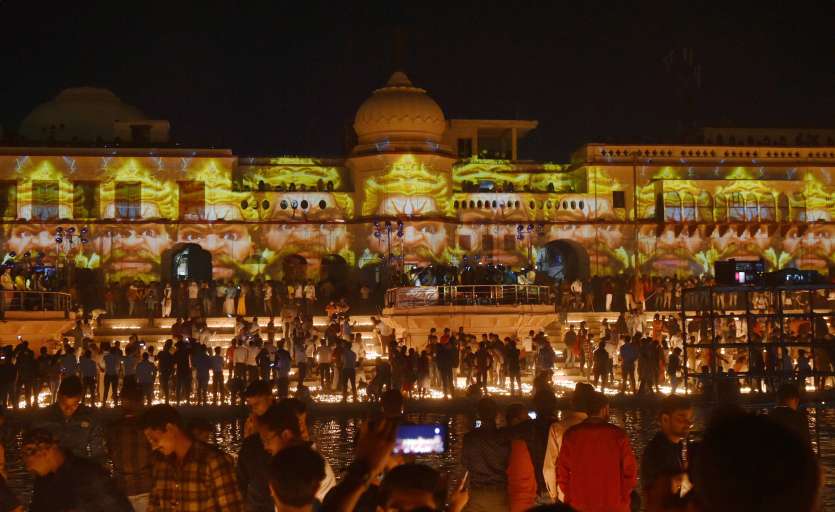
286,78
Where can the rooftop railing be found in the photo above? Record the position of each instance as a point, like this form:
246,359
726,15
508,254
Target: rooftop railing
25,300
467,295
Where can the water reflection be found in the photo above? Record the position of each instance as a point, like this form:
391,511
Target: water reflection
334,437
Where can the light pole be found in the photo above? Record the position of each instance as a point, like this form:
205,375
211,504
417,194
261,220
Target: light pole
527,231
65,240
386,228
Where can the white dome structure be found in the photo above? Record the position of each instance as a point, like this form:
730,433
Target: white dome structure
81,114
399,112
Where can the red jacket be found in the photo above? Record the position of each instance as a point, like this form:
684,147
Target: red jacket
596,469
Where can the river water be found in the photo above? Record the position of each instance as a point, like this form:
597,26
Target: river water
334,438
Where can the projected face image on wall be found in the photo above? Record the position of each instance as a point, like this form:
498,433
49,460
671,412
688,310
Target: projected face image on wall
230,244
312,243
811,246
409,187
133,251
422,243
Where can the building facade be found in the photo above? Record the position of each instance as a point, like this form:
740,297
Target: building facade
416,187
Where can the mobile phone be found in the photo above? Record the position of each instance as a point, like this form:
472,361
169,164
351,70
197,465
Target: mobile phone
532,415
477,423
422,439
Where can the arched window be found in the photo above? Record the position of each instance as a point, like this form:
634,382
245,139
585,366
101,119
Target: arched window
720,208
704,207
736,206
688,207
768,207
783,207
672,206
751,212
797,207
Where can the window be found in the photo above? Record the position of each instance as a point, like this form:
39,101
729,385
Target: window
797,206
768,207
487,243
704,207
751,211
509,243
8,199
85,200
736,206
672,206
688,207
128,200
618,199
465,148
783,207
192,200
44,200
465,242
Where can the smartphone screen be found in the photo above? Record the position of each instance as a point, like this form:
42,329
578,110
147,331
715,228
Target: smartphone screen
532,415
421,439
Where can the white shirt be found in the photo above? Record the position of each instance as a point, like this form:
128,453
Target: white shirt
252,356
527,344
555,435
240,355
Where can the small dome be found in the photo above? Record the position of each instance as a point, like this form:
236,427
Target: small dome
399,112
80,114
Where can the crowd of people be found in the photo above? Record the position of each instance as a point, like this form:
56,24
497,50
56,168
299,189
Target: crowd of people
210,298
532,457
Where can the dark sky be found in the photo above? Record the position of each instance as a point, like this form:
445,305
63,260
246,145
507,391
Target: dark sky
284,77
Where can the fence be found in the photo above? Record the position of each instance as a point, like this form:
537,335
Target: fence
468,295
24,300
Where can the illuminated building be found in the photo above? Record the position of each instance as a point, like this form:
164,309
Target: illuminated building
458,187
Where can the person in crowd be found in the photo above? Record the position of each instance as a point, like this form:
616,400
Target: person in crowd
349,371
182,365
521,480
323,360
628,358
89,377
218,390
253,462
294,476
596,468
664,455
185,464
65,482
513,366
129,450
283,364
406,487
788,412
731,471
75,426
112,367
146,375
535,434
299,408
574,416
601,365
485,455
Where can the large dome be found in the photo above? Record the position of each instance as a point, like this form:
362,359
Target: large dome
399,112
81,114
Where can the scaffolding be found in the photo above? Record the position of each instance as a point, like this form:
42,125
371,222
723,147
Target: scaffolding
741,339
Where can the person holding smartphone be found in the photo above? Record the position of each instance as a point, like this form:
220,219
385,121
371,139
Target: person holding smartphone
485,455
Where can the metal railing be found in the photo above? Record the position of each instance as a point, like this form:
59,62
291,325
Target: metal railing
468,295
25,300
